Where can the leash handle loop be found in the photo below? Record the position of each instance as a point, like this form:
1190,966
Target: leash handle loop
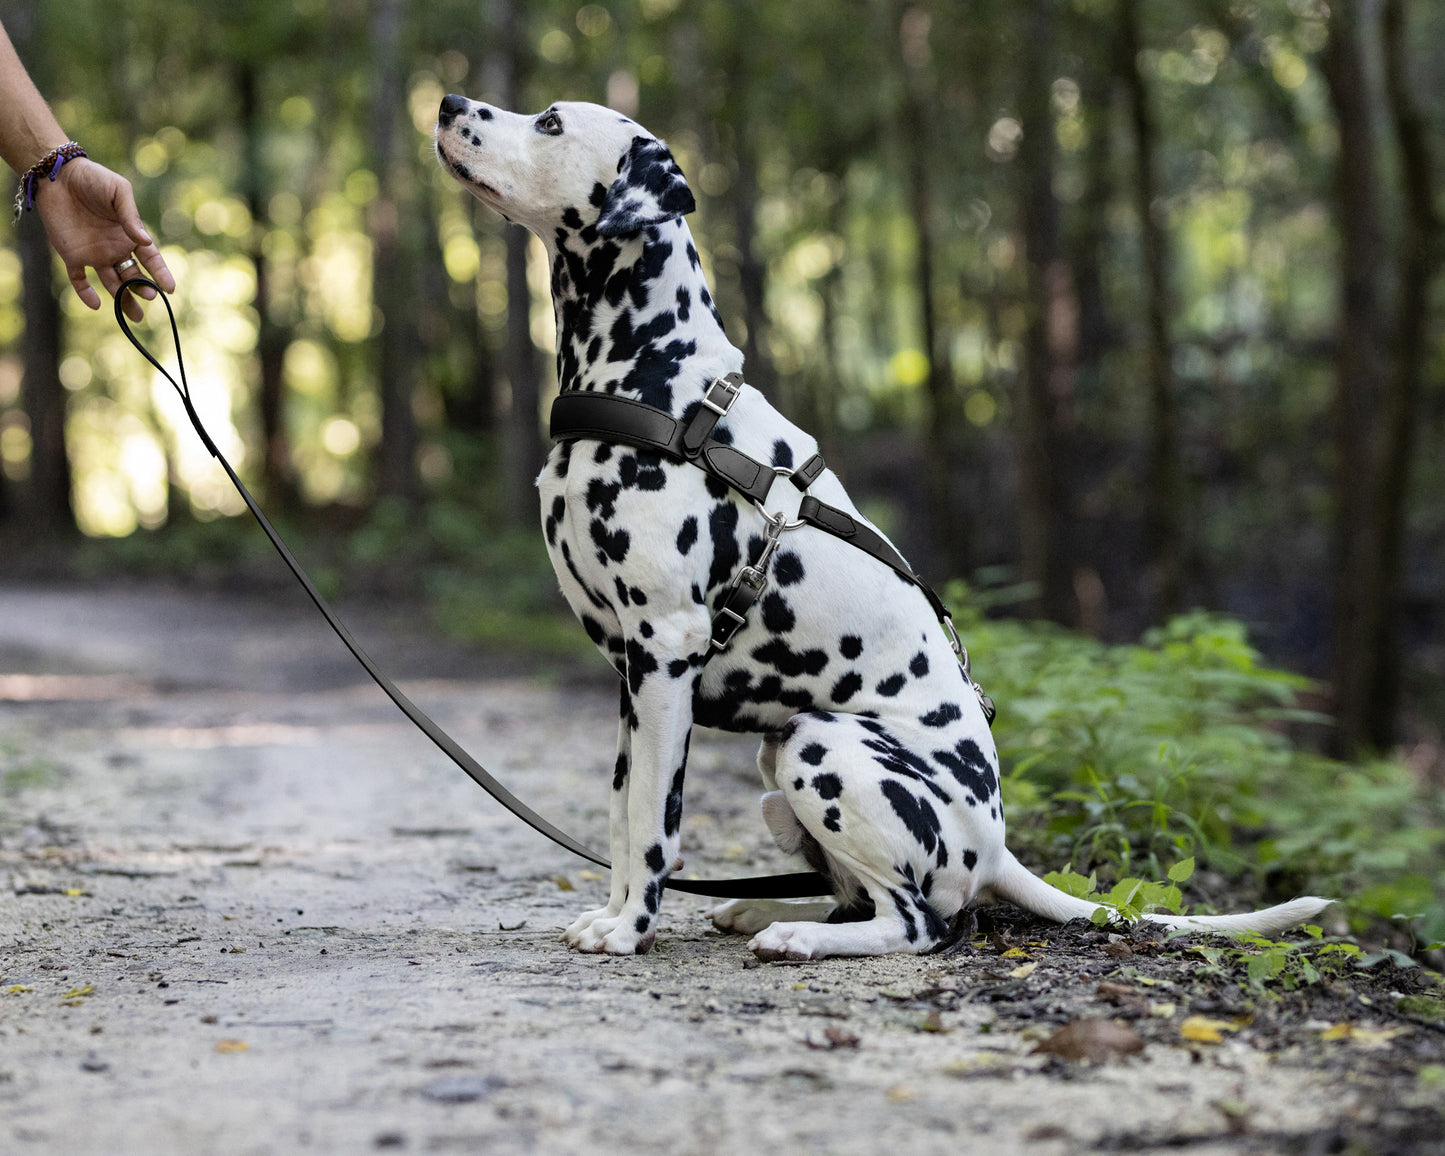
182,387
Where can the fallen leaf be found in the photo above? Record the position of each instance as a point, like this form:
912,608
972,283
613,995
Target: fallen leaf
1115,991
77,992
19,988
900,1093
1092,1039
229,1047
1023,971
563,883
1366,1037
1016,953
74,892
1162,1010
590,876
1203,1030
1118,949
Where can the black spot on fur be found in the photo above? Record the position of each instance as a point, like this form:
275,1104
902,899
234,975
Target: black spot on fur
611,544
846,687
619,773
672,814
918,816
777,615
850,646
968,764
891,685
640,663
970,859
782,454
687,536
788,568
831,817
919,665
654,860
828,785
779,655
594,629
813,754
722,524
678,667
946,713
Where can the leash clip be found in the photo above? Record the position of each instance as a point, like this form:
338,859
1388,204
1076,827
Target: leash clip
961,652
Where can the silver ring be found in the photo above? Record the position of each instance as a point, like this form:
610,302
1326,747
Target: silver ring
128,263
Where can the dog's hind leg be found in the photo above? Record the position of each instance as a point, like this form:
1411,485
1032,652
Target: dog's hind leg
876,815
616,825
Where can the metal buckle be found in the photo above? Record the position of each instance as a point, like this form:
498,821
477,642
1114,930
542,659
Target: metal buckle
728,388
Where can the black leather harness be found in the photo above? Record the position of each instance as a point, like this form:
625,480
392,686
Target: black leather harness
607,418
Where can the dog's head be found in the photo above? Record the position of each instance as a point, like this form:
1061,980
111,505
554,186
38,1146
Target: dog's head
574,164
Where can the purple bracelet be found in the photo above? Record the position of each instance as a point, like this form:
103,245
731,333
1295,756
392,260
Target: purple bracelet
48,166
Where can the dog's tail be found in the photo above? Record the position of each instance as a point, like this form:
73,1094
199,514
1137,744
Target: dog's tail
1019,885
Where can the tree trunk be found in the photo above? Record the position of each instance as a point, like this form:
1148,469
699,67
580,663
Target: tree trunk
278,478
752,275
44,500
1360,370
1051,340
1164,488
392,284
46,503
1419,260
952,529
520,423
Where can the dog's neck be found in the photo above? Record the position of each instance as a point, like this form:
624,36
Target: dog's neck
635,316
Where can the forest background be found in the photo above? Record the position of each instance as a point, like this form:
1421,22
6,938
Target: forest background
1110,309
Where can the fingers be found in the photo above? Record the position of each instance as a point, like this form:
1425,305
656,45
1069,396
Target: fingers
112,282
83,288
146,249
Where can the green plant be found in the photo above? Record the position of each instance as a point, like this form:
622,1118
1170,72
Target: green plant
1128,899
1118,760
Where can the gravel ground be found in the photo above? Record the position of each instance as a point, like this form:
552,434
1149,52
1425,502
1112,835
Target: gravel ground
245,908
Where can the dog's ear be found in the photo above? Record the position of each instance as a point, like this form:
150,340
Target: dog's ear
649,189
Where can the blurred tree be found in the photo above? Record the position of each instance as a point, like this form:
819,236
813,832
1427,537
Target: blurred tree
1051,337
392,225
46,496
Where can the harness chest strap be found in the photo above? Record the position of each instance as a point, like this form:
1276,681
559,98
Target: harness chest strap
608,418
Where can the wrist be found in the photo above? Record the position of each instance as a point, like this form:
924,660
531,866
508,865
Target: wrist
44,171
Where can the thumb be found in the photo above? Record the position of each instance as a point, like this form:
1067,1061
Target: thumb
128,215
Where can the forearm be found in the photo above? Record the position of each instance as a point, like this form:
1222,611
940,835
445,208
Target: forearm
28,129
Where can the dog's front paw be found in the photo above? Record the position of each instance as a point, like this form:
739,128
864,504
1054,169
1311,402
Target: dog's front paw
579,926
612,935
785,941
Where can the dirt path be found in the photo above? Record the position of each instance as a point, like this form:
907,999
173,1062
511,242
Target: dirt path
244,908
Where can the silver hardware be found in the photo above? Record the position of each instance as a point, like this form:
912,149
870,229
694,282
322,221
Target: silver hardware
729,389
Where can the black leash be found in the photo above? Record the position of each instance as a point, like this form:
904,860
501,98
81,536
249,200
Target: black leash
798,884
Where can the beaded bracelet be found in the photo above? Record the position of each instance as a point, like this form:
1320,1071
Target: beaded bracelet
48,166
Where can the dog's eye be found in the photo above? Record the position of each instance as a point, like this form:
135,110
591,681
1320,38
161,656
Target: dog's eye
550,123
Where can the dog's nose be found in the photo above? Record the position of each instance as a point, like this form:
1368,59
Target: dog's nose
452,107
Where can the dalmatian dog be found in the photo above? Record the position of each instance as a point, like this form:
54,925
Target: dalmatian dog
876,759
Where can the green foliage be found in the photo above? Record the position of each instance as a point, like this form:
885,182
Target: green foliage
1118,760
1267,962
1128,899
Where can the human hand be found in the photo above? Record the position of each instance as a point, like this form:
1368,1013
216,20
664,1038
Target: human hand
91,219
